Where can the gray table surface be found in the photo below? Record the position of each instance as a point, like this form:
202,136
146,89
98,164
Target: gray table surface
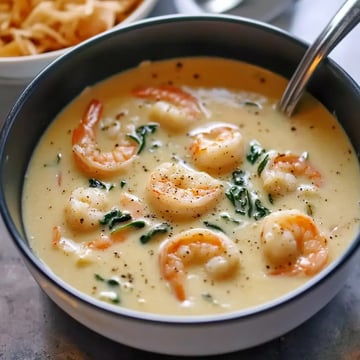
33,327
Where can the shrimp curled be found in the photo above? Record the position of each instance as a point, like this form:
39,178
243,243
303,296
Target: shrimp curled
197,246
218,148
172,106
87,154
85,208
291,241
180,193
283,171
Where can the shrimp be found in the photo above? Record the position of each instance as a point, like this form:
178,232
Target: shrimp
173,107
104,241
293,244
87,154
218,148
85,208
178,192
197,246
82,253
283,171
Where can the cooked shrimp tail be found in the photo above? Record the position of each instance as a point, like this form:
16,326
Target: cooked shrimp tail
87,153
172,106
284,172
293,244
197,246
217,148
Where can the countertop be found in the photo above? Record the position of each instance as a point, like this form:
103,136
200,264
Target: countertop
33,327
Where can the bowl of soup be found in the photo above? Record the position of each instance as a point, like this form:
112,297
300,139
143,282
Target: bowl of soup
32,34
162,200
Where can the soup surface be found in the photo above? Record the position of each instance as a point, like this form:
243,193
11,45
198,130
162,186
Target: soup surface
177,188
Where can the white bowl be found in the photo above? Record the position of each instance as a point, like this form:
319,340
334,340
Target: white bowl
161,38
22,69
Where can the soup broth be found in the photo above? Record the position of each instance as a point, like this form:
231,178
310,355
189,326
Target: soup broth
177,188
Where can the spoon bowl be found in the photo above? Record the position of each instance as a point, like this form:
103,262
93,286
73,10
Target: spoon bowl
218,7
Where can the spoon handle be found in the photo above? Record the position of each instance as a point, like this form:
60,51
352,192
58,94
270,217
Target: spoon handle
347,17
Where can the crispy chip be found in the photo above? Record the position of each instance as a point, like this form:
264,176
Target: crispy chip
29,27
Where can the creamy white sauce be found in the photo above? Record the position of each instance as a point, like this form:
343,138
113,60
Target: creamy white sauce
227,92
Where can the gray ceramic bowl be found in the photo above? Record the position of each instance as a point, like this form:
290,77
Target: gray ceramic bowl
102,57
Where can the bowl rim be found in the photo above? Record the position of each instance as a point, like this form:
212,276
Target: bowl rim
35,262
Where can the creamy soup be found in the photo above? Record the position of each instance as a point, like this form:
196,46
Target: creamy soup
177,188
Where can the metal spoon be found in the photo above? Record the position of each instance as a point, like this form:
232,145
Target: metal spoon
218,6
347,17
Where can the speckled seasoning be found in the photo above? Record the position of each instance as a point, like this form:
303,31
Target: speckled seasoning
178,188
